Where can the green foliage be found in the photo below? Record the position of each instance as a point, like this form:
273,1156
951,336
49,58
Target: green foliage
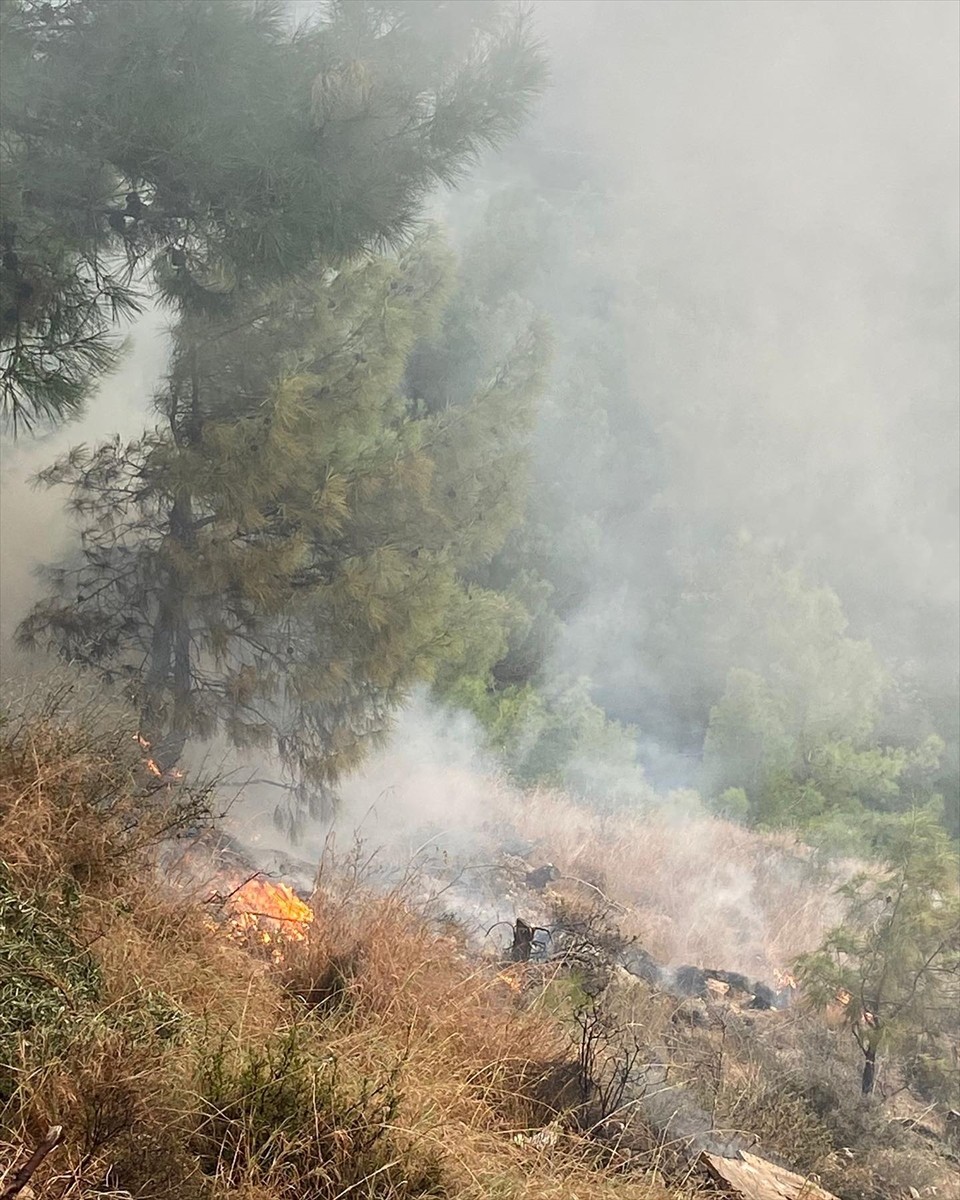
896,958
51,987
733,803
748,732
555,736
254,1106
770,621
46,978
214,148
795,729
291,552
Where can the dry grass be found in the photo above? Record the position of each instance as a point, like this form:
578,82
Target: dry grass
697,889
377,1059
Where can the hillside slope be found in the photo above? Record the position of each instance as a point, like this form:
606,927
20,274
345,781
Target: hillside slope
190,1045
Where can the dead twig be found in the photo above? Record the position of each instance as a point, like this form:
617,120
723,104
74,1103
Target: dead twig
51,1139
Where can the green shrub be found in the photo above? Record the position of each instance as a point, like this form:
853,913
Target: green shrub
46,979
284,1113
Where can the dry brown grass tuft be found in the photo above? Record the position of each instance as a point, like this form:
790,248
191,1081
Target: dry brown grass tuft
376,1059
696,889
474,1046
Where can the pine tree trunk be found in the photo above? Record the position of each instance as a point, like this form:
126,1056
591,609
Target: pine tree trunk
169,677
158,670
869,1076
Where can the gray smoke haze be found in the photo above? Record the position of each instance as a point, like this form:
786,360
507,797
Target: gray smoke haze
34,529
778,228
433,814
772,209
779,192
784,189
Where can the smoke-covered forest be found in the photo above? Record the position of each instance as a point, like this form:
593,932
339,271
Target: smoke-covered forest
640,447
575,380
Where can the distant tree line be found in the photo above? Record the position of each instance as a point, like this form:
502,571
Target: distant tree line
779,715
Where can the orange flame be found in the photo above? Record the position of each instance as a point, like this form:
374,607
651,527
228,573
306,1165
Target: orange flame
511,978
267,910
173,775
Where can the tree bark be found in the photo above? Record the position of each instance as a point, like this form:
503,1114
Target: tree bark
522,941
869,1076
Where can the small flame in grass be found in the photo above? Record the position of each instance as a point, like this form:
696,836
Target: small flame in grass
512,978
269,912
785,981
173,775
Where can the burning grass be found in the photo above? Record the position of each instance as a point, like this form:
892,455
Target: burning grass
370,1058
246,1043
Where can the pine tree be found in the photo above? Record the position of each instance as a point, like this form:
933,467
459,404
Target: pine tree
198,149
286,555
493,300
796,725
894,965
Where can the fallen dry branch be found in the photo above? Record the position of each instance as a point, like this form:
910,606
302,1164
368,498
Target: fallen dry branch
51,1139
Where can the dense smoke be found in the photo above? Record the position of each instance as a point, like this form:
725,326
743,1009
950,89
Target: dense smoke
763,206
433,816
781,187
